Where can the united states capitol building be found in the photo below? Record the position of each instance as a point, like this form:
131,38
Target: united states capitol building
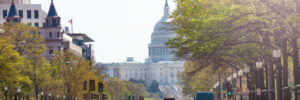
161,64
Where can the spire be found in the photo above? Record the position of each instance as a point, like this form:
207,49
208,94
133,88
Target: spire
52,11
166,9
167,4
12,10
52,20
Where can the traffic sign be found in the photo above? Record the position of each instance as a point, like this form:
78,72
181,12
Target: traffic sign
247,91
258,90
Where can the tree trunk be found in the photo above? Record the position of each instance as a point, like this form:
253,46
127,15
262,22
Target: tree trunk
296,65
269,71
271,81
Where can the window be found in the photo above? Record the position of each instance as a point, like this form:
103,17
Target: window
28,14
54,22
36,14
21,13
51,50
4,13
172,75
36,24
57,34
50,35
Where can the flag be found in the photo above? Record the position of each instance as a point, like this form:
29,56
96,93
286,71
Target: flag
70,21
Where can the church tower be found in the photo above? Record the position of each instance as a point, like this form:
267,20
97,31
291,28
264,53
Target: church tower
52,32
13,14
52,19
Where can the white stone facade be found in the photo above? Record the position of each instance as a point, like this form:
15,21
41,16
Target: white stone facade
15,1
163,72
32,13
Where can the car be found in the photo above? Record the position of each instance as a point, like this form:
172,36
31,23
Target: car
204,96
169,98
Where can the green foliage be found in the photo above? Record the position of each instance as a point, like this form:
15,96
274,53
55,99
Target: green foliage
10,64
29,44
154,87
71,70
140,81
136,89
218,35
117,89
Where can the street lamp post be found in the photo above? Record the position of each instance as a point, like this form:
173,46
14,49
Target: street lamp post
228,79
241,75
57,96
277,56
49,96
42,94
19,92
246,70
259,66
234,84
5,92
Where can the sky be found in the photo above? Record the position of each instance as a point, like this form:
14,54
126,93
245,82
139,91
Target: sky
120,28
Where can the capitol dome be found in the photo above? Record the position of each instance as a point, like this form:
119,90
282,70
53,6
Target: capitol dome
163,32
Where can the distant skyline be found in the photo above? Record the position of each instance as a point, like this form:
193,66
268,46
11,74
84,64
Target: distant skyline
120,28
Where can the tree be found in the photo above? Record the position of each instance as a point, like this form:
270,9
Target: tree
232,34
29,44
154,87
116,89
11,64
135,89
140,81
72,70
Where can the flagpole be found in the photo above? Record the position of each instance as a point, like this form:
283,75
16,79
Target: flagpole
72,26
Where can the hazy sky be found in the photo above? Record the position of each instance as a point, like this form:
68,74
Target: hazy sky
120,28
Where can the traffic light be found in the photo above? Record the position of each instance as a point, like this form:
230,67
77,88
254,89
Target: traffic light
225,85
229,91
100,87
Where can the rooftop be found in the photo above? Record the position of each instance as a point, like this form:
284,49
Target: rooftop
84,36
